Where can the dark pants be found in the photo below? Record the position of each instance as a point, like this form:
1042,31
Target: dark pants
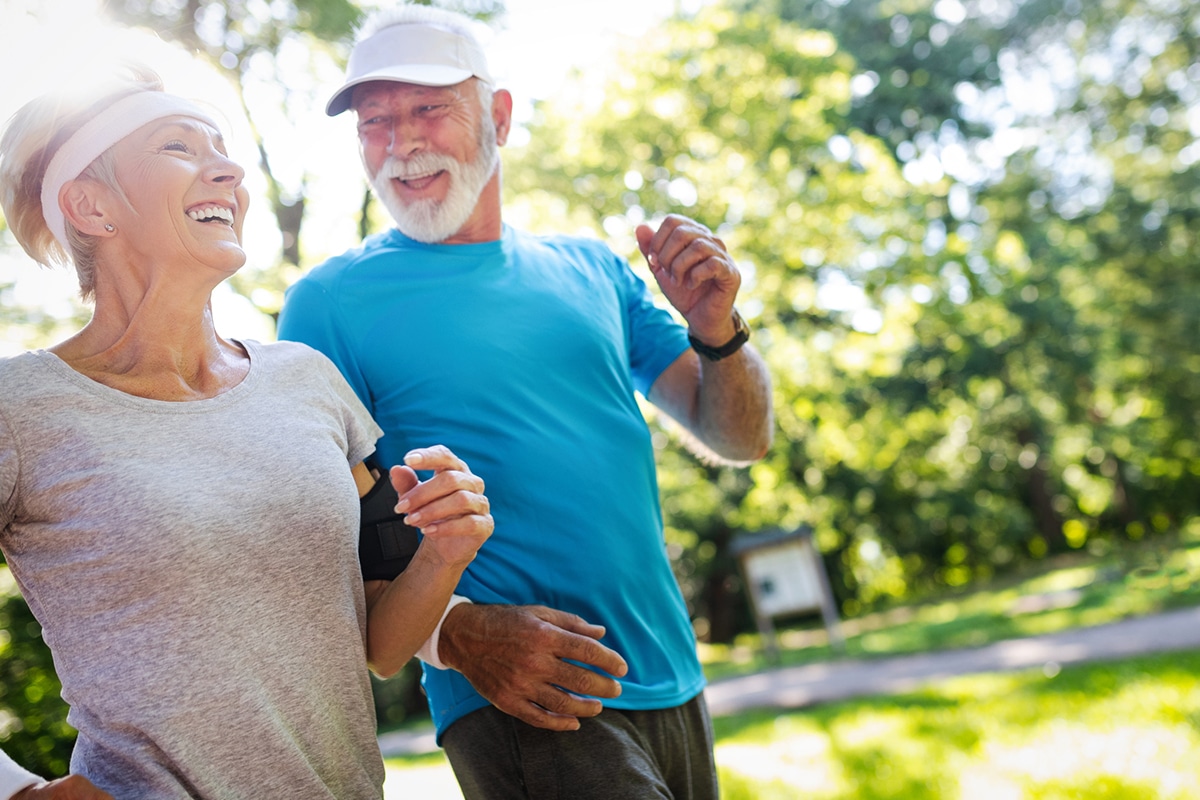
664,754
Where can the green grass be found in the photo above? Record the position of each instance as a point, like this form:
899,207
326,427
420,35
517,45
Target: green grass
1072,591
1116,731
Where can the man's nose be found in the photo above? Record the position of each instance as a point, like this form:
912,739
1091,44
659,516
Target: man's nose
405,138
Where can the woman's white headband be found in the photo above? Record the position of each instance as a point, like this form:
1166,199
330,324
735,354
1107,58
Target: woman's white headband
97,135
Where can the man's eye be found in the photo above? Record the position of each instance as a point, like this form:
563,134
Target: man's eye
176,145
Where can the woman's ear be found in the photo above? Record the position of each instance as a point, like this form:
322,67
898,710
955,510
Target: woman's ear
83,204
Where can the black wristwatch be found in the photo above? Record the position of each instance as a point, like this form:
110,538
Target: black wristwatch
741,335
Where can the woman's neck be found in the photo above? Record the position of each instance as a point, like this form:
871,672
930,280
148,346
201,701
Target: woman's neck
155,345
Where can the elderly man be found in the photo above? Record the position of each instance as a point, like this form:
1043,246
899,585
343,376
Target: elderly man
523,354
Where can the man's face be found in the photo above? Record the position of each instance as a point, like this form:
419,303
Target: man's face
428,151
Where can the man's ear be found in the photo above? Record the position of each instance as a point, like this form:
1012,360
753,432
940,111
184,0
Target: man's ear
502,105
83,206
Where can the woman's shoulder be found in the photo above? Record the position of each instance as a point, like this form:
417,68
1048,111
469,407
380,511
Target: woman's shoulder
25,369
278,352
294,359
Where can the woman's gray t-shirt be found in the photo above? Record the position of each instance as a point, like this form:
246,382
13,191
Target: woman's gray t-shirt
194,567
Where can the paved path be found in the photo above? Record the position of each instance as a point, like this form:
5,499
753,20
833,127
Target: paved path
796,687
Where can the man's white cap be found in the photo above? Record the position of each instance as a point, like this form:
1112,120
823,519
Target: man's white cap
419,52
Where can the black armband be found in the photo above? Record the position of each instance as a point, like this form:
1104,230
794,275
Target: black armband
385,542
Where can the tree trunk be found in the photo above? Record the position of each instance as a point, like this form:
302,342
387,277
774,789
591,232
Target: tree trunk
1040,496
720,600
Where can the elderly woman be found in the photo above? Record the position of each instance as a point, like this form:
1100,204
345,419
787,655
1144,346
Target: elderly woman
181,510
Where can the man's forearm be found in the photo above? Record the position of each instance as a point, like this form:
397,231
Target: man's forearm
734,417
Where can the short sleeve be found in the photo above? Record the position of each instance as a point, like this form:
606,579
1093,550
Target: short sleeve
362,432
655,338
309,316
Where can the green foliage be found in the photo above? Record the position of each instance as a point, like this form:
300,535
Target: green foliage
33,727
400,699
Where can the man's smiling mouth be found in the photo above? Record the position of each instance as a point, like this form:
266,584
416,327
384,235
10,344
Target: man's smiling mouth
420,181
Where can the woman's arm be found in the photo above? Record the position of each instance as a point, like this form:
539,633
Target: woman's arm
452,513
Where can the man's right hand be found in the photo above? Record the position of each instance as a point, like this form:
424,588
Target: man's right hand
515,656
72,787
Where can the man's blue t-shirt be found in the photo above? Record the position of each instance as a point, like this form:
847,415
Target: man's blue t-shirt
523,356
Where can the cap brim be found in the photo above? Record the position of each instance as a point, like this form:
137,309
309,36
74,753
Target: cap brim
419,74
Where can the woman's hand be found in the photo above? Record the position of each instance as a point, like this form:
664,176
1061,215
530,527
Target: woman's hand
453,515
450,508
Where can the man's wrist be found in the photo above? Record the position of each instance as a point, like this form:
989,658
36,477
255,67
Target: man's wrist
741,335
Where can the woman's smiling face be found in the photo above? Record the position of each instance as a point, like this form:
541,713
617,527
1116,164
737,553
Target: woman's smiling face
186,199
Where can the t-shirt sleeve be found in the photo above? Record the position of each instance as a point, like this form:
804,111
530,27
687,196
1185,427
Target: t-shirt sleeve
362,432
310,316
9,467
655,338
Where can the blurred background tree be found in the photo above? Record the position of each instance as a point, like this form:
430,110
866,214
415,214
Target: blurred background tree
968,236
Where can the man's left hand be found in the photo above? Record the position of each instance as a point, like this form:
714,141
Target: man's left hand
696,274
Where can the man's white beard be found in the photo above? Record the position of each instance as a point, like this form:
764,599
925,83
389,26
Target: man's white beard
430,220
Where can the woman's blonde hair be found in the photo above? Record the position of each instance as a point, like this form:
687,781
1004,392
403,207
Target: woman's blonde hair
31,138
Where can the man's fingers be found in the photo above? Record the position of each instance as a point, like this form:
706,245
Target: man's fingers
684,253
550,709
568,621
565,704
645,235
538,717
579,682
710,269
585,647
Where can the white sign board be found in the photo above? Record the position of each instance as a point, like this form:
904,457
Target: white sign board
784,578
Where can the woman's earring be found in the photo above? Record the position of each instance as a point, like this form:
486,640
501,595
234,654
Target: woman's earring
108,226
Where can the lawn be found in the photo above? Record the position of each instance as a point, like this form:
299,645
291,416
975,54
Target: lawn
1117,731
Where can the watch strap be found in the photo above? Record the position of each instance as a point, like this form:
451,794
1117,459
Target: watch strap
741,335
